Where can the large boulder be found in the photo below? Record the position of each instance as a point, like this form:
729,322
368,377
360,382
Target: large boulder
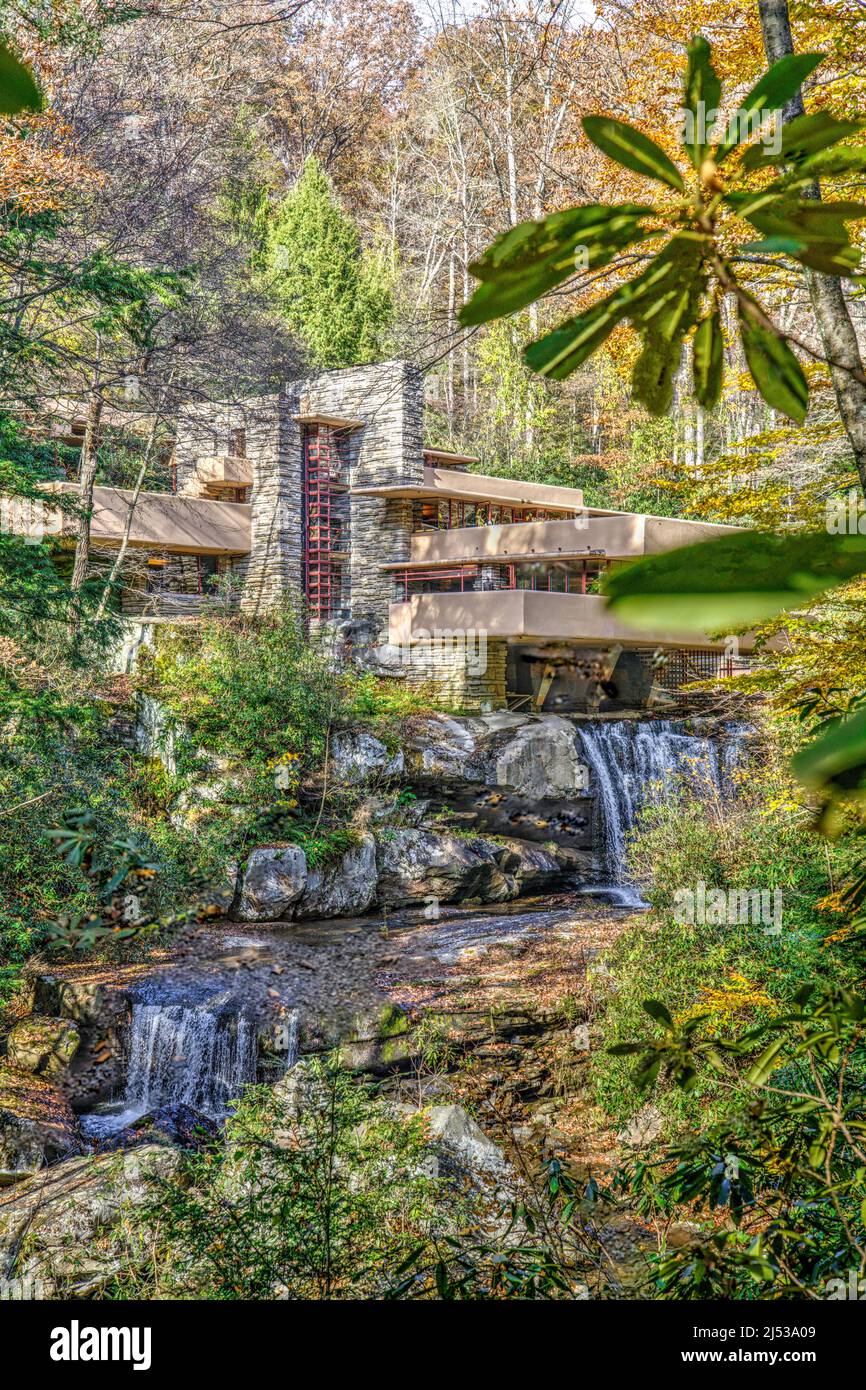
343,889
440,747
357,756
37,1125
416,865
539,759
533,869
535,756
453,1131
271,883
44,1046
61,1232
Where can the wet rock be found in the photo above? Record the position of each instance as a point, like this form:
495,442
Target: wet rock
272,882
44,1046
539,759
357,756
178,1125
344,889
37,1125
452,1129
61,1231
417,865
533,869
535,756
379,1041
440,746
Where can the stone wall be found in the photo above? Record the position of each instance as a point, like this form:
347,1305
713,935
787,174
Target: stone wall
387,448
274,569
461,678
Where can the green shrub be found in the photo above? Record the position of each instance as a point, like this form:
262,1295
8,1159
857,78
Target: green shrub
255,690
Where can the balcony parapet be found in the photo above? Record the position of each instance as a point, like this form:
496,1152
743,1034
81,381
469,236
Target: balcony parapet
215,472
622,536
160,521
444,483
525,615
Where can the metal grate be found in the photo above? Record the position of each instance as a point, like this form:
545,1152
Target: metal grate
320,460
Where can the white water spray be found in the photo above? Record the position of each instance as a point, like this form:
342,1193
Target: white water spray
635,762
195,1054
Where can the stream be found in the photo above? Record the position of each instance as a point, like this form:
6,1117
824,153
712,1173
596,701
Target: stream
194,1034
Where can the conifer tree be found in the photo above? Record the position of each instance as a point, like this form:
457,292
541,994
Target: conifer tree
335,297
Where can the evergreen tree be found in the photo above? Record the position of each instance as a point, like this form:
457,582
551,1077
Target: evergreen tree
334,296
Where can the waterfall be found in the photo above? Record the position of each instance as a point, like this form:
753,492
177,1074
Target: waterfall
191,1052
635,762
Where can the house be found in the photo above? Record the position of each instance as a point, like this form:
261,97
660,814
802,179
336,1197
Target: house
484,585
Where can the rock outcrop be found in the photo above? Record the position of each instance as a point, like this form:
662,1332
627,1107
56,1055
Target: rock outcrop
357,756
415,865
453,1131
37,1125
60,1231
418,865
536,756
44,1046
273,881
342,889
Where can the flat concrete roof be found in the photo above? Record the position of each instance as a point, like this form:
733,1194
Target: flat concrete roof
526,615
442,483
449,456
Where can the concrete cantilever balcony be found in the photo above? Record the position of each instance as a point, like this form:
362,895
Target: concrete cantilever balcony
160,521
624,535
217,471
525,615
444,483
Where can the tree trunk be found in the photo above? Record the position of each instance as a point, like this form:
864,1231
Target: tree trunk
86,477
828,298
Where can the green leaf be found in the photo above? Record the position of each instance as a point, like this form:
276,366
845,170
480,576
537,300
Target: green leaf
771,92
530,259
805,136
702,95
664,325
850,160
815,232
18,88
831,258
630,148
837,755
729,583
774,368
657,1010
708,360
766,1063
567,347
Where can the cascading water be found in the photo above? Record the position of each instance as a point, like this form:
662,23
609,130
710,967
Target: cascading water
634,762
192,1051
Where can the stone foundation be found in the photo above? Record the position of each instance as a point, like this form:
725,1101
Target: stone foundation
468,671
